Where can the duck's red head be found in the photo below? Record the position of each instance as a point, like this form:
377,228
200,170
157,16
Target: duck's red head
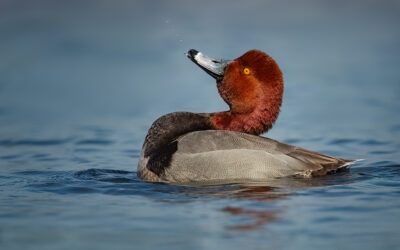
252,86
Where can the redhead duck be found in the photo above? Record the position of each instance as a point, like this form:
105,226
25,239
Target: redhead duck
225,147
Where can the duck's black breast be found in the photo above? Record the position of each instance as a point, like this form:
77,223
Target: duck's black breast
160,143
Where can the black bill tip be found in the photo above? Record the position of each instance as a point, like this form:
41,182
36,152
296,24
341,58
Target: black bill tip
192,53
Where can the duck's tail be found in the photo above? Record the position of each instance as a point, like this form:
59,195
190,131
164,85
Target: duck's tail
320,164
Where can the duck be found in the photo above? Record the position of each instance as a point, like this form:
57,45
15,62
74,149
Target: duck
226,147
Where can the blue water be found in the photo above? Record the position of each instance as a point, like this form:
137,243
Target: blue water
82,81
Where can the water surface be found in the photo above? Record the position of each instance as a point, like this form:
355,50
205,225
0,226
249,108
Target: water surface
82,81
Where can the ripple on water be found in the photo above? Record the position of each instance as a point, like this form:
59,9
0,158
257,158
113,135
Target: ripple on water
373,142
343,141
80,160
134,153
10,157
34,172
95,142
369,142
98,131
98,174
33,142
395,128
87,150
39,156
381,152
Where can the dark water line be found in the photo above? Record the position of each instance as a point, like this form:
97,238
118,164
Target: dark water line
33,142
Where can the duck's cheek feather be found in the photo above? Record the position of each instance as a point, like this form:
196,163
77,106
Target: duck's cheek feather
241,96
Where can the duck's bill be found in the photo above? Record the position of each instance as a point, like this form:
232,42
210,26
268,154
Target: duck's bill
214,67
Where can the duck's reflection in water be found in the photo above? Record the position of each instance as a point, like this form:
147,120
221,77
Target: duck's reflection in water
256,218
270,192
260,218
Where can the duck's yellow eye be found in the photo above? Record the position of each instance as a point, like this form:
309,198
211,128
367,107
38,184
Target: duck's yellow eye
246,71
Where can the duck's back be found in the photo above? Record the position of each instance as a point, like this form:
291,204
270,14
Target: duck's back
226,156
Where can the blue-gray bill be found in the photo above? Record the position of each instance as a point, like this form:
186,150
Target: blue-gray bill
214,67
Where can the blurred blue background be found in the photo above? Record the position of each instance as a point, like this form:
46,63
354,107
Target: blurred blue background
83,60
82,81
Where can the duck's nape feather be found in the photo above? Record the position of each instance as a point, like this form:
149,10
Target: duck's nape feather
216,155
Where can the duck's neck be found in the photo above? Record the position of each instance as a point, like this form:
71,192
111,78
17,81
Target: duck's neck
260,120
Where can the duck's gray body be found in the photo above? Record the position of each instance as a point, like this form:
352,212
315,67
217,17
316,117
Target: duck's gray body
218,156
